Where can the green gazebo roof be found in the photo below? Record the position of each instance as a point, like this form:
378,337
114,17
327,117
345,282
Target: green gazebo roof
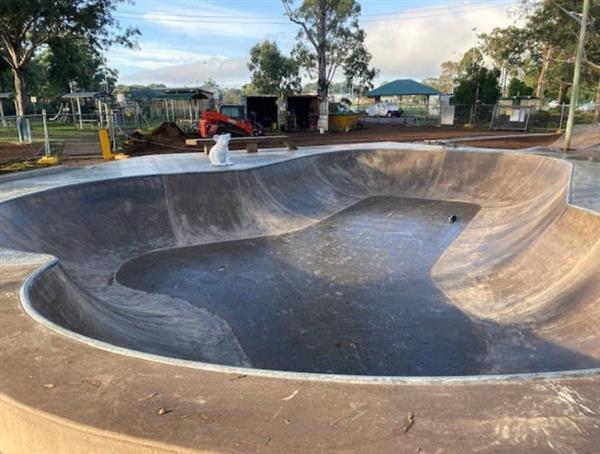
403,87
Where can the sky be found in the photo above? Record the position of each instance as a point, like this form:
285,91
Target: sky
184,42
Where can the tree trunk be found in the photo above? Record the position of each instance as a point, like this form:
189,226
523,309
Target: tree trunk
562,93
18,76
541,82
322,83
597,110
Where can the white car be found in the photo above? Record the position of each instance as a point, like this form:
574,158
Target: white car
587,107
384,109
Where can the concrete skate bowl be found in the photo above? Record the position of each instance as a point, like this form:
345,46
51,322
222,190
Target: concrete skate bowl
339,263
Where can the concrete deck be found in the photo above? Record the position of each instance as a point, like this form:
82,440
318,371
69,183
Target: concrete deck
526,262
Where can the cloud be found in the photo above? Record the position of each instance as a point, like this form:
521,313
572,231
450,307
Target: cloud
226,71
151,55
415,47
213,20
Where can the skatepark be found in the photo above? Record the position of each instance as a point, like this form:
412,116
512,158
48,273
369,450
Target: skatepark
378,296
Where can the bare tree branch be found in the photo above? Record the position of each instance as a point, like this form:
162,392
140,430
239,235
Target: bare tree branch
293,18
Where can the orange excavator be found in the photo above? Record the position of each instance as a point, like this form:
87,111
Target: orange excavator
229,120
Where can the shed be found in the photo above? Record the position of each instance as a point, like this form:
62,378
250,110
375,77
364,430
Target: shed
263,109
185,93
86,95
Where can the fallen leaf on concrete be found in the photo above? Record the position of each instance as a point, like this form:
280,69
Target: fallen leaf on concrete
149,396
291,396
237,377
410,420
351,417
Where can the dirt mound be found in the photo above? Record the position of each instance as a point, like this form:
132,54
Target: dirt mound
168,133
167,138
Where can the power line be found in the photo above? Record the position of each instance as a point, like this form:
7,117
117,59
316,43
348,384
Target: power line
171,18
456,4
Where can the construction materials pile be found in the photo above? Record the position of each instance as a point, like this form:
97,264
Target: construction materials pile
167,138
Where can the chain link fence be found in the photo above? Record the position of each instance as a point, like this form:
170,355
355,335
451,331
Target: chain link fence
65,134
68,134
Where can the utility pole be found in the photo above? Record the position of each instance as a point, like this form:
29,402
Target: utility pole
577,75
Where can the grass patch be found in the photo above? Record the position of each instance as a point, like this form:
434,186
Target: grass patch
20,166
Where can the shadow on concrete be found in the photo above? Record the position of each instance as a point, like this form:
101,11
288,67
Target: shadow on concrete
350,295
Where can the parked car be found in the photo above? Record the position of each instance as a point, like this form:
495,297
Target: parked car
587,107
553,104
384,109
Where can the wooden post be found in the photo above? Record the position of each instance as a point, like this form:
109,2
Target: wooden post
577,75
2,114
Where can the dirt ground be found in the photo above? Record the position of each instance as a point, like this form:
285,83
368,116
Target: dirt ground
512,144
11,152
371,133
15,157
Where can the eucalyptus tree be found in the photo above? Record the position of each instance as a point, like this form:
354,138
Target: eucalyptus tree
330,38
28,25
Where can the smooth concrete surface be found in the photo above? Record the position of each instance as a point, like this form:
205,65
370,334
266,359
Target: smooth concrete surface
524,268
350,295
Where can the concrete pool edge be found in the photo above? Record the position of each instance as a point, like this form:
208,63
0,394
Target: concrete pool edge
190,438
304,376
334,378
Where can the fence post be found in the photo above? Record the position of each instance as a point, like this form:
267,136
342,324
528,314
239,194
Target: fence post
18,121
107,115
100,115
79,113
114,131
562,117
2,115
24,129
28,134
46,138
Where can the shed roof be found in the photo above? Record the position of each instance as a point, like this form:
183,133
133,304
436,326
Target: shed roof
184,93
7,95
86,94
403,87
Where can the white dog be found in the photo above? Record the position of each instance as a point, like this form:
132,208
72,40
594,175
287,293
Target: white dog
219,153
